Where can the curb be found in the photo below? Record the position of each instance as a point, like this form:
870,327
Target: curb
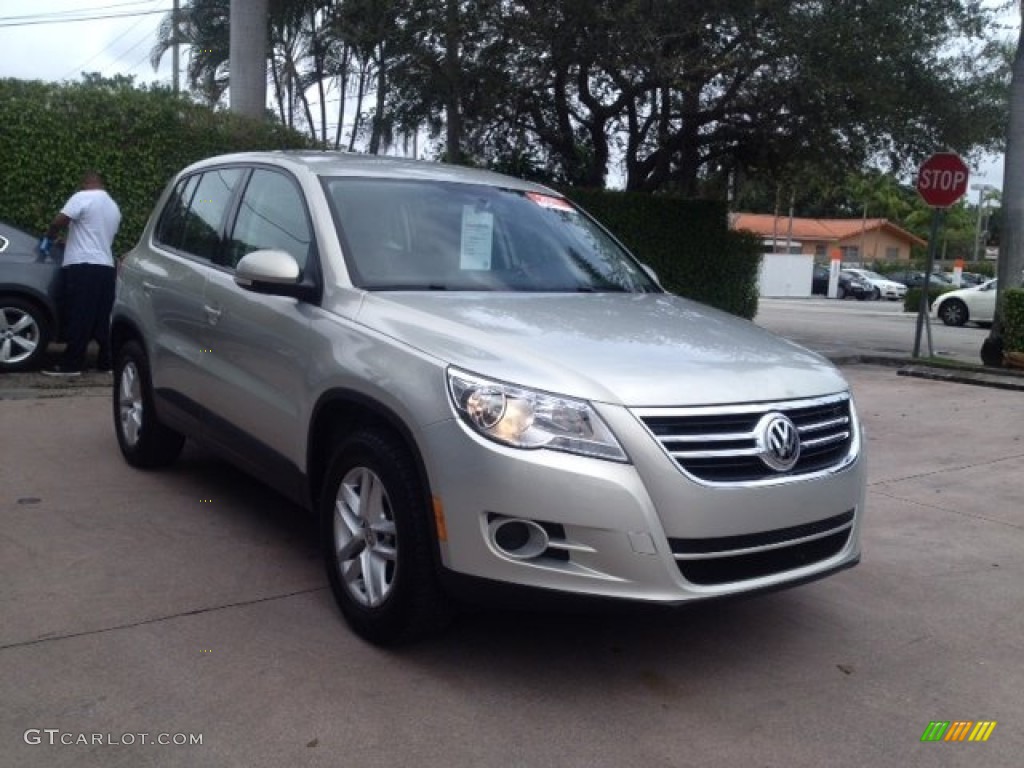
976,375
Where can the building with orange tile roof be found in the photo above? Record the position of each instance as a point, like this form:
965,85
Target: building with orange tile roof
856,240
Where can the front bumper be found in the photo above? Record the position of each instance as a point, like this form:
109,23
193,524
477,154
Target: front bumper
635,531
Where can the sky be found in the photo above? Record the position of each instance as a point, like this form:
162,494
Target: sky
39,41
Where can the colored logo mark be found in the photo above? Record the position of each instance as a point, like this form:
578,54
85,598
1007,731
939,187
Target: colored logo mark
958,730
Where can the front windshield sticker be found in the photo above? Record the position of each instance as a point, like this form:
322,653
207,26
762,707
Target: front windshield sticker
477,236
550,201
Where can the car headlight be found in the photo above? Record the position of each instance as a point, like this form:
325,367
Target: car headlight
524,418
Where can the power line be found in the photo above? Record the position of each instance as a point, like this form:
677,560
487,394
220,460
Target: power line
81,67
62,20
44,15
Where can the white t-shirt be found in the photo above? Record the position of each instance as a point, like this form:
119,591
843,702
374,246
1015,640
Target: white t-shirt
95,218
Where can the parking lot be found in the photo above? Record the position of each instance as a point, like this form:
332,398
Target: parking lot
191,602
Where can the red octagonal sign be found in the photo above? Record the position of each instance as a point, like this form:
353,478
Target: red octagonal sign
942,179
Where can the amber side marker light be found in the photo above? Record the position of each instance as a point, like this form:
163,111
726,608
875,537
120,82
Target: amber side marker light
442,529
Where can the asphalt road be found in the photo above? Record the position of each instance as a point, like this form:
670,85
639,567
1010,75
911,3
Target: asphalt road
848,328
191,602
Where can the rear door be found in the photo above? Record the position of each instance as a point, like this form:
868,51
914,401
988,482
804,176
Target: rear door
187,240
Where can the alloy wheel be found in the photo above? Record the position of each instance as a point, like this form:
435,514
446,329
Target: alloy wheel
130,406
365,540
19,335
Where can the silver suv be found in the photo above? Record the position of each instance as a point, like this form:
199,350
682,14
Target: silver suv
472,383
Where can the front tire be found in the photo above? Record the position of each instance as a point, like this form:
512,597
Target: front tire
378,540
876,294
145,442
24,334
953,312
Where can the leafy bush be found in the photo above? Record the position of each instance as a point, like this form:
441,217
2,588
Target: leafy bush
136,137
913,298
687,242
1013,320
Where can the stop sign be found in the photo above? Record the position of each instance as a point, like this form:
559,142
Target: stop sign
942,179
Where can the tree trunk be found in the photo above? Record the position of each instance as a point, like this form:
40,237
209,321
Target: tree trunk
343,96
453,105
318,69
1011,241
358,118
377,124
248,57
278,88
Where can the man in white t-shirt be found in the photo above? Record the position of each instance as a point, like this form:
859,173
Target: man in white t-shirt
92,218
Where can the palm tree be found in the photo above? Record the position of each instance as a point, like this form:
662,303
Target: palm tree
202,25
249,57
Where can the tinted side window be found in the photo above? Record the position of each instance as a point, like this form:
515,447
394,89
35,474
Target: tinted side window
171,226
272,214
205,214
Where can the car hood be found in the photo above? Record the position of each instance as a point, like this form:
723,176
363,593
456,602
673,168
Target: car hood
630,349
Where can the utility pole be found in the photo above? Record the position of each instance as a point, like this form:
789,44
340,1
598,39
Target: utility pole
176,32
981,189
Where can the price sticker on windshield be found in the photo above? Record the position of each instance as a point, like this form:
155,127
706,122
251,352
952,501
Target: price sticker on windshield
477,237
550,201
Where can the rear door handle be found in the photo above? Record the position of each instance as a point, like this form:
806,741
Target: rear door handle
212,314
147,288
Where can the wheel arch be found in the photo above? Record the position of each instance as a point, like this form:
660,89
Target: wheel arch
123,330
340,412
46,305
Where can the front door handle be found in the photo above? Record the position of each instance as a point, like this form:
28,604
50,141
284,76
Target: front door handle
212,314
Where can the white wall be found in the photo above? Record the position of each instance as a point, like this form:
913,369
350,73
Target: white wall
786,274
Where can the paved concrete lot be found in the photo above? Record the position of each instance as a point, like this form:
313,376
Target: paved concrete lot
844,328
191,602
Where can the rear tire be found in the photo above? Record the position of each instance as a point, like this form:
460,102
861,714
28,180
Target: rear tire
145,442
24,334
378,541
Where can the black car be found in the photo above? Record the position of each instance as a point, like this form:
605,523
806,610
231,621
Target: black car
913,278
848,285
30,285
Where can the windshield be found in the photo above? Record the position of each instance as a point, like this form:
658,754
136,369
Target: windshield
871,275
435,235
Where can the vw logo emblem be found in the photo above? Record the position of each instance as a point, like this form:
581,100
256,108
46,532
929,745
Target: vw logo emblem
778,441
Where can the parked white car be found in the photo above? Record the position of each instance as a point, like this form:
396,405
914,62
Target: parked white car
976,304
884,288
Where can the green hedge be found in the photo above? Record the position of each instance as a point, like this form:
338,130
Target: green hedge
1013,320
687,242
912,300
137,137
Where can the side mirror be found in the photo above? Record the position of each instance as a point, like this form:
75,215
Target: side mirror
270,267
276,273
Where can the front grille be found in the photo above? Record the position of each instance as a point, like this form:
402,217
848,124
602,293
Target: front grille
723,570
723,544
720,445
725,559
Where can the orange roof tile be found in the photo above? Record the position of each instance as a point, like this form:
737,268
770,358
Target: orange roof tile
829,230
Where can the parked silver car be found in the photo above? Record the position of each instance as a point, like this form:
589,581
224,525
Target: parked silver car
473,383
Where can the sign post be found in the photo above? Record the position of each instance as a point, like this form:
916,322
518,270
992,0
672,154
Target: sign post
941,182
